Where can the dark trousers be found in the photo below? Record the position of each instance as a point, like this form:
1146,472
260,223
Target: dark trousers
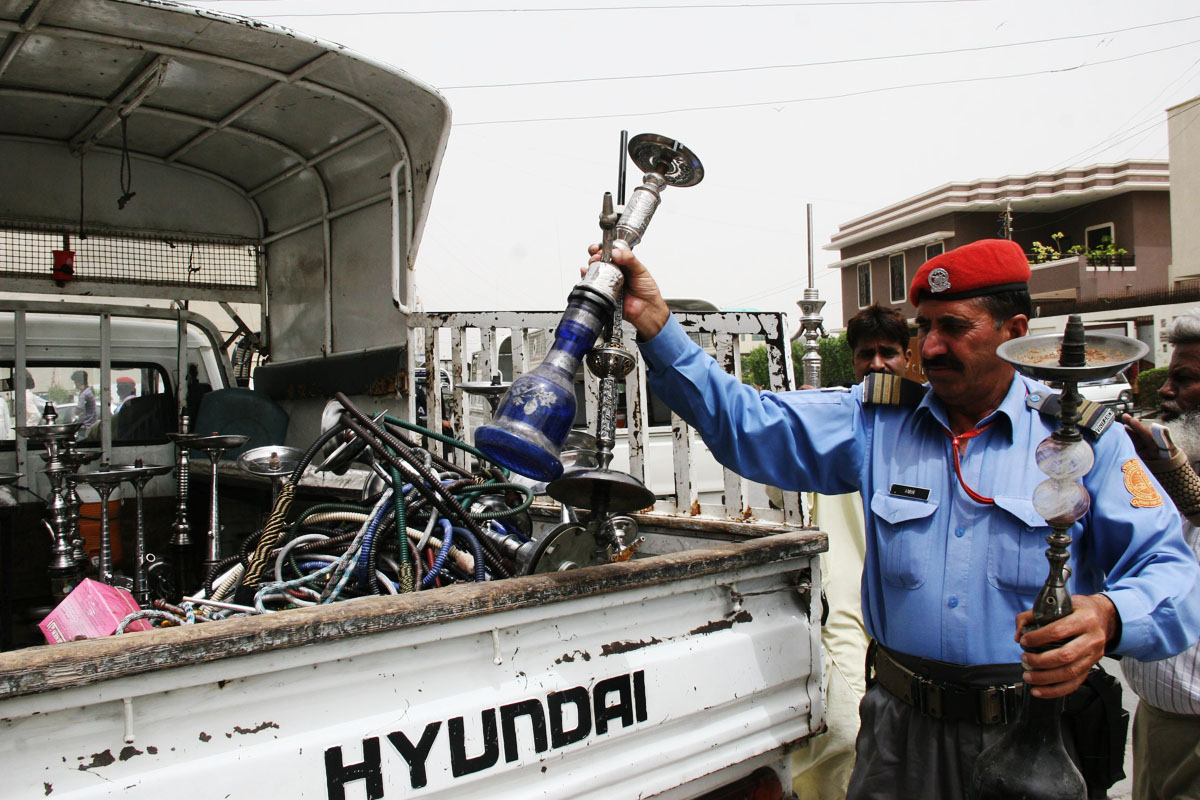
901,754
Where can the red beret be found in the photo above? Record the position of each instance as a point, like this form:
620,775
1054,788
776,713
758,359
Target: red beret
989,266
126,380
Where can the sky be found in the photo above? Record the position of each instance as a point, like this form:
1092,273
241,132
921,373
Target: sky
847,105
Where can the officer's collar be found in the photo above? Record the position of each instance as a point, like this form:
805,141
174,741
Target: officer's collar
1010,408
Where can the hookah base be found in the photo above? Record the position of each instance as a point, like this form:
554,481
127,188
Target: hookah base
592,489
518,453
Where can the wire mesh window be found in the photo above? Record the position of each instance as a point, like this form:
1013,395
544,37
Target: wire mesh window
125,259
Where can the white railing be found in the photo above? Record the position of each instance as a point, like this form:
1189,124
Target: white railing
467,345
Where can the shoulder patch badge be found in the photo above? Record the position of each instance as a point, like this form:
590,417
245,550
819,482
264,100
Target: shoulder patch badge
1139,485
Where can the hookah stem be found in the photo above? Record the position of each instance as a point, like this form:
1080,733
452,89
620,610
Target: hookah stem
140,591
606,424
105,536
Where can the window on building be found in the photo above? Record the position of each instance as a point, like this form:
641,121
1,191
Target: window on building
934,250
1095,236
896,272
864,284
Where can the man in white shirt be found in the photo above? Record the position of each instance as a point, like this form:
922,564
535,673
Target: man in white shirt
878,339
1166,728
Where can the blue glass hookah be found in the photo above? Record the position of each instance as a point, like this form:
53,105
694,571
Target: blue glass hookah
532,421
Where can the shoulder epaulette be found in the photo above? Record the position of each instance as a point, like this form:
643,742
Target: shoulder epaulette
1093,417
886,389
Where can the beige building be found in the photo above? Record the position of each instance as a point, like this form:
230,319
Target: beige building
1183,131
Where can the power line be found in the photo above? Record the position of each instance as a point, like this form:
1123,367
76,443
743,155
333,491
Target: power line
859,93
1107,142
834,62
692,6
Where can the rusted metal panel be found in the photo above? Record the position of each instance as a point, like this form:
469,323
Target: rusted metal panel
728,356
681,452
520,353
459,414
636,417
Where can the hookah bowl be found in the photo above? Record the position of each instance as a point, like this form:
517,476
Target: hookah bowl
532,421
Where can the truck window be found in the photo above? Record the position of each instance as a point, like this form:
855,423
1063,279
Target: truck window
140,399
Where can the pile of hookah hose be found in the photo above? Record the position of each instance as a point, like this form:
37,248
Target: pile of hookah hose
433,524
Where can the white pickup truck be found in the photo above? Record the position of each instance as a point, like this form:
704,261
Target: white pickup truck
279,170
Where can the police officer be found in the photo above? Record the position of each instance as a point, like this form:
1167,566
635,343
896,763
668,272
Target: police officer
955,551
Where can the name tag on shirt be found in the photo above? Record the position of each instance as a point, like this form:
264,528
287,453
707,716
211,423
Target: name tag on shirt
915,492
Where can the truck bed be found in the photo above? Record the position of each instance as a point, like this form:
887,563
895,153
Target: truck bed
664,676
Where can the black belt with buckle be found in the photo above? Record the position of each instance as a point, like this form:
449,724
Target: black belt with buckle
945,700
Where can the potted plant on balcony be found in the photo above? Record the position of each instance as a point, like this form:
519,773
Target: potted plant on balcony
1106,254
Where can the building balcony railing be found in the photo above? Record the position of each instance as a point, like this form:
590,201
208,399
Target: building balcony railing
1119,260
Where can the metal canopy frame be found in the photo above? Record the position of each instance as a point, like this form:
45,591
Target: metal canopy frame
413,120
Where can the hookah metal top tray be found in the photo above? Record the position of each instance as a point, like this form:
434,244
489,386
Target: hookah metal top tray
45,433
270,461
484,388
133,472
1038,356
678,165
102,478
216,441
616,492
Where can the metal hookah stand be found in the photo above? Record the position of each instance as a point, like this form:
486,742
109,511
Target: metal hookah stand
602,490
104,480
213,446
1029,760
65,568
139,475
181,536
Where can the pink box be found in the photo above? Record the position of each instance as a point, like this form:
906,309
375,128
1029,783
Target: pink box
90,611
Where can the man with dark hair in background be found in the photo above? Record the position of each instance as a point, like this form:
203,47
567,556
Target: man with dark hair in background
86,410
1166,727
878,339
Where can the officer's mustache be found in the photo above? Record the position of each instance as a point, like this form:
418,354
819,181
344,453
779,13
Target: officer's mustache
944,361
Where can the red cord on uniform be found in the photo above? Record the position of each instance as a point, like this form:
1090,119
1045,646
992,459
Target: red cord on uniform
956,443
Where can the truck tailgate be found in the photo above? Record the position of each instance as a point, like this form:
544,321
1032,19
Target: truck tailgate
623,680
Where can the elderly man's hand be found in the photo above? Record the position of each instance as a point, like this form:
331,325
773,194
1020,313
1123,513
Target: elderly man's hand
644,305
1143,439
1083,634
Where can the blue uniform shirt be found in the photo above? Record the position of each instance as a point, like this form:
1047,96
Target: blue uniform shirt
946,576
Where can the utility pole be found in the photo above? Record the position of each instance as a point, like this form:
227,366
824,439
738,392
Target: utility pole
811,322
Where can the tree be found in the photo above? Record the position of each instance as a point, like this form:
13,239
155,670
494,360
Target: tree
1148,383
836,369
754,368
